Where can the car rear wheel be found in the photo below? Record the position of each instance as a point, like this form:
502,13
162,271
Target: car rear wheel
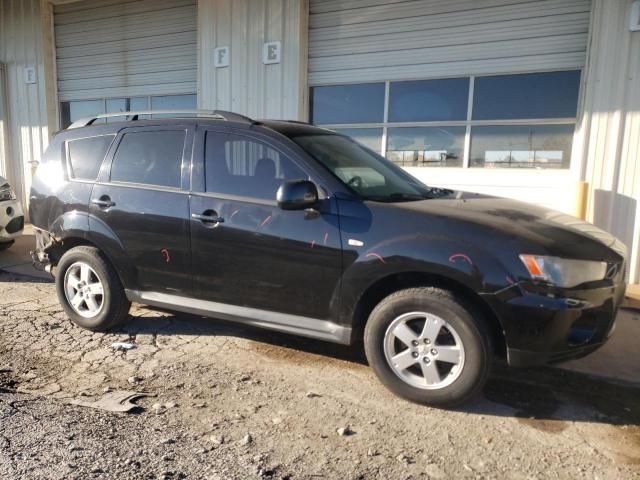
429,346
89,290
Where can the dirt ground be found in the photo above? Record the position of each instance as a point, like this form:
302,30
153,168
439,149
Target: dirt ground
232,402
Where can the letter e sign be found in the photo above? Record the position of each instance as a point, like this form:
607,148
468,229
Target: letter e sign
271,52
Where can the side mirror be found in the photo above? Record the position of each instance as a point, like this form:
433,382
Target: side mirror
297,195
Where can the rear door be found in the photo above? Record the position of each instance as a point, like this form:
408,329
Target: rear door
258,255
142,200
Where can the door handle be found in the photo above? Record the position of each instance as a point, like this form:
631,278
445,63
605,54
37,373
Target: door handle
103,202
207,218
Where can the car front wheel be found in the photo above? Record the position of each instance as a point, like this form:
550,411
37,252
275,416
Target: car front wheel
89,290
429,346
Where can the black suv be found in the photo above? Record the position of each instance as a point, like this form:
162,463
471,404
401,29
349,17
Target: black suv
295,228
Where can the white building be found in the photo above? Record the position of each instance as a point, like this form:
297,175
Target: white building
532,99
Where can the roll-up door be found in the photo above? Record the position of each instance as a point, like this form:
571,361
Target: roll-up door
371,40
125,48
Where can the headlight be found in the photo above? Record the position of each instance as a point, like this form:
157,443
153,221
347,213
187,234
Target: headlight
6,193
563,272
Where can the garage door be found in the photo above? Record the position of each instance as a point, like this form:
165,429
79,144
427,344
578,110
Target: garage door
487,89
119,49
370,40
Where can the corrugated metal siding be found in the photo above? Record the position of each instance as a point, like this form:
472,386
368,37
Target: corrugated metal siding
248,86
370,40
26,115
612,127
124,48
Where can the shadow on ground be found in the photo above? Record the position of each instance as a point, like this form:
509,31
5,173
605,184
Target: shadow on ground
544,398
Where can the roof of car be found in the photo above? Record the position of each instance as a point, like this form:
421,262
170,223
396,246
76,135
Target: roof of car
289,128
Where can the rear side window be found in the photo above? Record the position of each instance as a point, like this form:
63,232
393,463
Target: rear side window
86,156
150,158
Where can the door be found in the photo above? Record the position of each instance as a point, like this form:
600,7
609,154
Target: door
248,252
142,199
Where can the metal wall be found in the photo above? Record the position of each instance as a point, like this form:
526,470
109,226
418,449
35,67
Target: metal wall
26,115
612,126
247,85
124,48
370,40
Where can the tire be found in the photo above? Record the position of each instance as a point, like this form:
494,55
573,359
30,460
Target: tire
6,245
433,379
113,305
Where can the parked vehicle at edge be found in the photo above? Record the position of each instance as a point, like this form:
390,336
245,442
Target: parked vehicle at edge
294,228
11,215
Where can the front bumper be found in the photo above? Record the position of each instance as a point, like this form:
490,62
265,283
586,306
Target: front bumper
543,327
11,220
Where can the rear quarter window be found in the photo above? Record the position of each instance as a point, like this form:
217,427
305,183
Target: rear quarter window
86,155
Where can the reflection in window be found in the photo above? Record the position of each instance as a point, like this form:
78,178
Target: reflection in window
238,165
426,146
369,137
342,104
86,156
429,100
533,95
521,146
150,158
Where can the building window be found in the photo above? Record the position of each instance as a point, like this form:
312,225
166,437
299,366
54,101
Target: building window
79,109
426,146
346,104
499,121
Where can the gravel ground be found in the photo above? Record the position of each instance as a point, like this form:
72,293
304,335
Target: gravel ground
232,402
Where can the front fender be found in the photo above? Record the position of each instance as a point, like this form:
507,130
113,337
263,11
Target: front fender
455,260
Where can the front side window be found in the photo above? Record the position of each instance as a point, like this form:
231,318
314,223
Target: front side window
499,121
149,158
239,165
86,156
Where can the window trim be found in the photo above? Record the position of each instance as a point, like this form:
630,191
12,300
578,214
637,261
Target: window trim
469,123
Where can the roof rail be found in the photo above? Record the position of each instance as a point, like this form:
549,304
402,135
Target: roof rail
301,122
219,114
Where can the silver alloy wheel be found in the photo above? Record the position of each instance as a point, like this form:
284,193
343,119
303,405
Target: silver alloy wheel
431,359
83,289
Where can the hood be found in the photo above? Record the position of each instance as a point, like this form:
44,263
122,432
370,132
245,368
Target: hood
555,232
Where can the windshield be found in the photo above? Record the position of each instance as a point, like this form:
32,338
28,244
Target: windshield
364,171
